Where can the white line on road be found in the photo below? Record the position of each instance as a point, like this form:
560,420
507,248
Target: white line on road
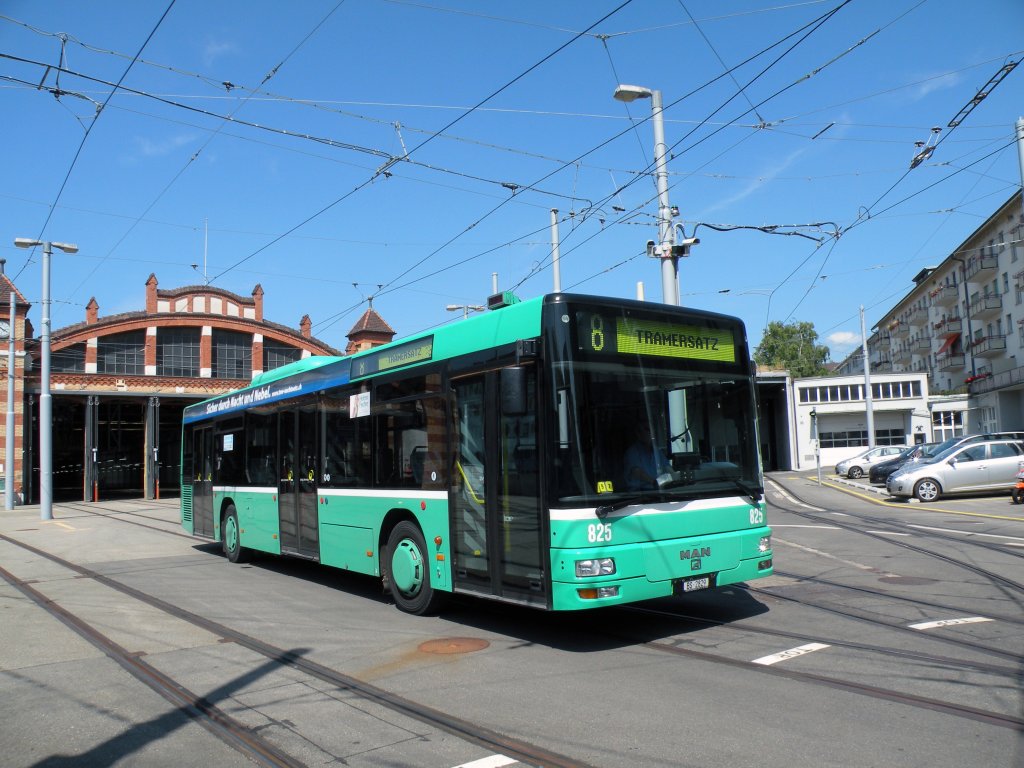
792,653
494,761
861,566
968,533
949,622
785,494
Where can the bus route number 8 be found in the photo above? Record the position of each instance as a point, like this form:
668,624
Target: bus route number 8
597,333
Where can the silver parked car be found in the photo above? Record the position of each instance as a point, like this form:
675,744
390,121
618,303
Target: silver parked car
991,465
858,465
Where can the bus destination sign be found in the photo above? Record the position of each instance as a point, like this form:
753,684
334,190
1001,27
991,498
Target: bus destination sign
637,336
394,357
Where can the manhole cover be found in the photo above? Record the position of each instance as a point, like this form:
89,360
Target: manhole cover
911,581
454,645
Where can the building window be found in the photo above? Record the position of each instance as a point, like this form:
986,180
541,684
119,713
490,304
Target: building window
232,355
947,424
276,355
122,353
69,360
848,439
890,437
177,352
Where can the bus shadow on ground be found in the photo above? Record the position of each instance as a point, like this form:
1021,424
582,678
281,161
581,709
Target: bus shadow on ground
603,629
588,631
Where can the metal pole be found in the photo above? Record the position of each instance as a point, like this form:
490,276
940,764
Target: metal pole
666,232
9,444
45,401
554,251
967,311
867,381
1020,160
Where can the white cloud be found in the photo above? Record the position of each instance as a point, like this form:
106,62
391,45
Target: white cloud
214,49
150,148
843,339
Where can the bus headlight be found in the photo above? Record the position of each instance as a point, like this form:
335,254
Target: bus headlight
603,567
765,544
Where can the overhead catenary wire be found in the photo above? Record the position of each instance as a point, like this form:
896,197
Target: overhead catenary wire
88,130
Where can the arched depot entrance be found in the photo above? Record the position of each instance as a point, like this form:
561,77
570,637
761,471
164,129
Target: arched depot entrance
111,447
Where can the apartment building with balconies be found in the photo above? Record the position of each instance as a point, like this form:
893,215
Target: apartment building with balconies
962,323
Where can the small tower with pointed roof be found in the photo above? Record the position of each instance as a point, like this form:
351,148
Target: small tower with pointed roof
369,331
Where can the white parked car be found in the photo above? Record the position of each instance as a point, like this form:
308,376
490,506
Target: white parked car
969,467
858,465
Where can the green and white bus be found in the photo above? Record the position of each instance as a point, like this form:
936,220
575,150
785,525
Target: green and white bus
493,457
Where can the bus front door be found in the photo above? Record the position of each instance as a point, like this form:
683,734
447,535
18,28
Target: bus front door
202,481
497,512
298,518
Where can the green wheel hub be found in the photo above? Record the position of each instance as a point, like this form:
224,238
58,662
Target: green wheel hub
231,534
407,567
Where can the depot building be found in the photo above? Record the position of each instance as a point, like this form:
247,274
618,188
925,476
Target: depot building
119,383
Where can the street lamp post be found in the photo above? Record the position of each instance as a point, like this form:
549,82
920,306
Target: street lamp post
466,309
45,402
666,231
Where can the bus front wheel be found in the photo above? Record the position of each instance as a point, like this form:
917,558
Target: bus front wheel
408,571
230,537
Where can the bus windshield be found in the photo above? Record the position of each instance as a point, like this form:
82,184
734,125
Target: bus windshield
635,432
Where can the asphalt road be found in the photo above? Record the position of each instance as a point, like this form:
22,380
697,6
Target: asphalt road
892,634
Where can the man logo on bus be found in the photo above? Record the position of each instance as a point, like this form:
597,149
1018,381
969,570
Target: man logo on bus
690,554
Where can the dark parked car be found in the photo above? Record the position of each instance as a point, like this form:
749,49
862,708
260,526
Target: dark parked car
879,473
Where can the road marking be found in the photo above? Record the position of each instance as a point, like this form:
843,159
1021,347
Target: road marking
792,653
494,761
969,533
949,622
818,552
922,507
62,525
785,494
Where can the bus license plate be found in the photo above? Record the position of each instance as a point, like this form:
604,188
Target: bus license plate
696,583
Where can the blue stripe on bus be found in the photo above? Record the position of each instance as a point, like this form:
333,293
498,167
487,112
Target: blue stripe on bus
333,375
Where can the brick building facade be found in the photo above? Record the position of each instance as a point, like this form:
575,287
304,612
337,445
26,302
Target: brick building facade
119,383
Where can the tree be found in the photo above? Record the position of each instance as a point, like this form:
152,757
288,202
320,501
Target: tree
792,346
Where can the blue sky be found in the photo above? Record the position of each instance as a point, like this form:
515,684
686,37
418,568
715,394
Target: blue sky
255,133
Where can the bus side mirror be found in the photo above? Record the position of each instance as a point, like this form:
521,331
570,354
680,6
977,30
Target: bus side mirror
513,391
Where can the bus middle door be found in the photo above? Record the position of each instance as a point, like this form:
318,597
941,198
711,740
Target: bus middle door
298,516
202,481
497,527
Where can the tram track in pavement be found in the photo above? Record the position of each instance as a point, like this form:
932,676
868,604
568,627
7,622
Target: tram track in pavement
523,753
992,576
234,733
91,508
953,708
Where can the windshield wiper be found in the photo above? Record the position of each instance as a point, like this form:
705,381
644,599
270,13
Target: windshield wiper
636,498
752,492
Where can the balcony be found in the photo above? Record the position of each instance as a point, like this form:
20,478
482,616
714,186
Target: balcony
918,317
950,361
989,346
986,306
899,329
948,325
879,357
981,268
946,296
921,346
901,355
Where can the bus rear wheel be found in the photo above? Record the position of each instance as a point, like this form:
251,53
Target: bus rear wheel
408,571
231,538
